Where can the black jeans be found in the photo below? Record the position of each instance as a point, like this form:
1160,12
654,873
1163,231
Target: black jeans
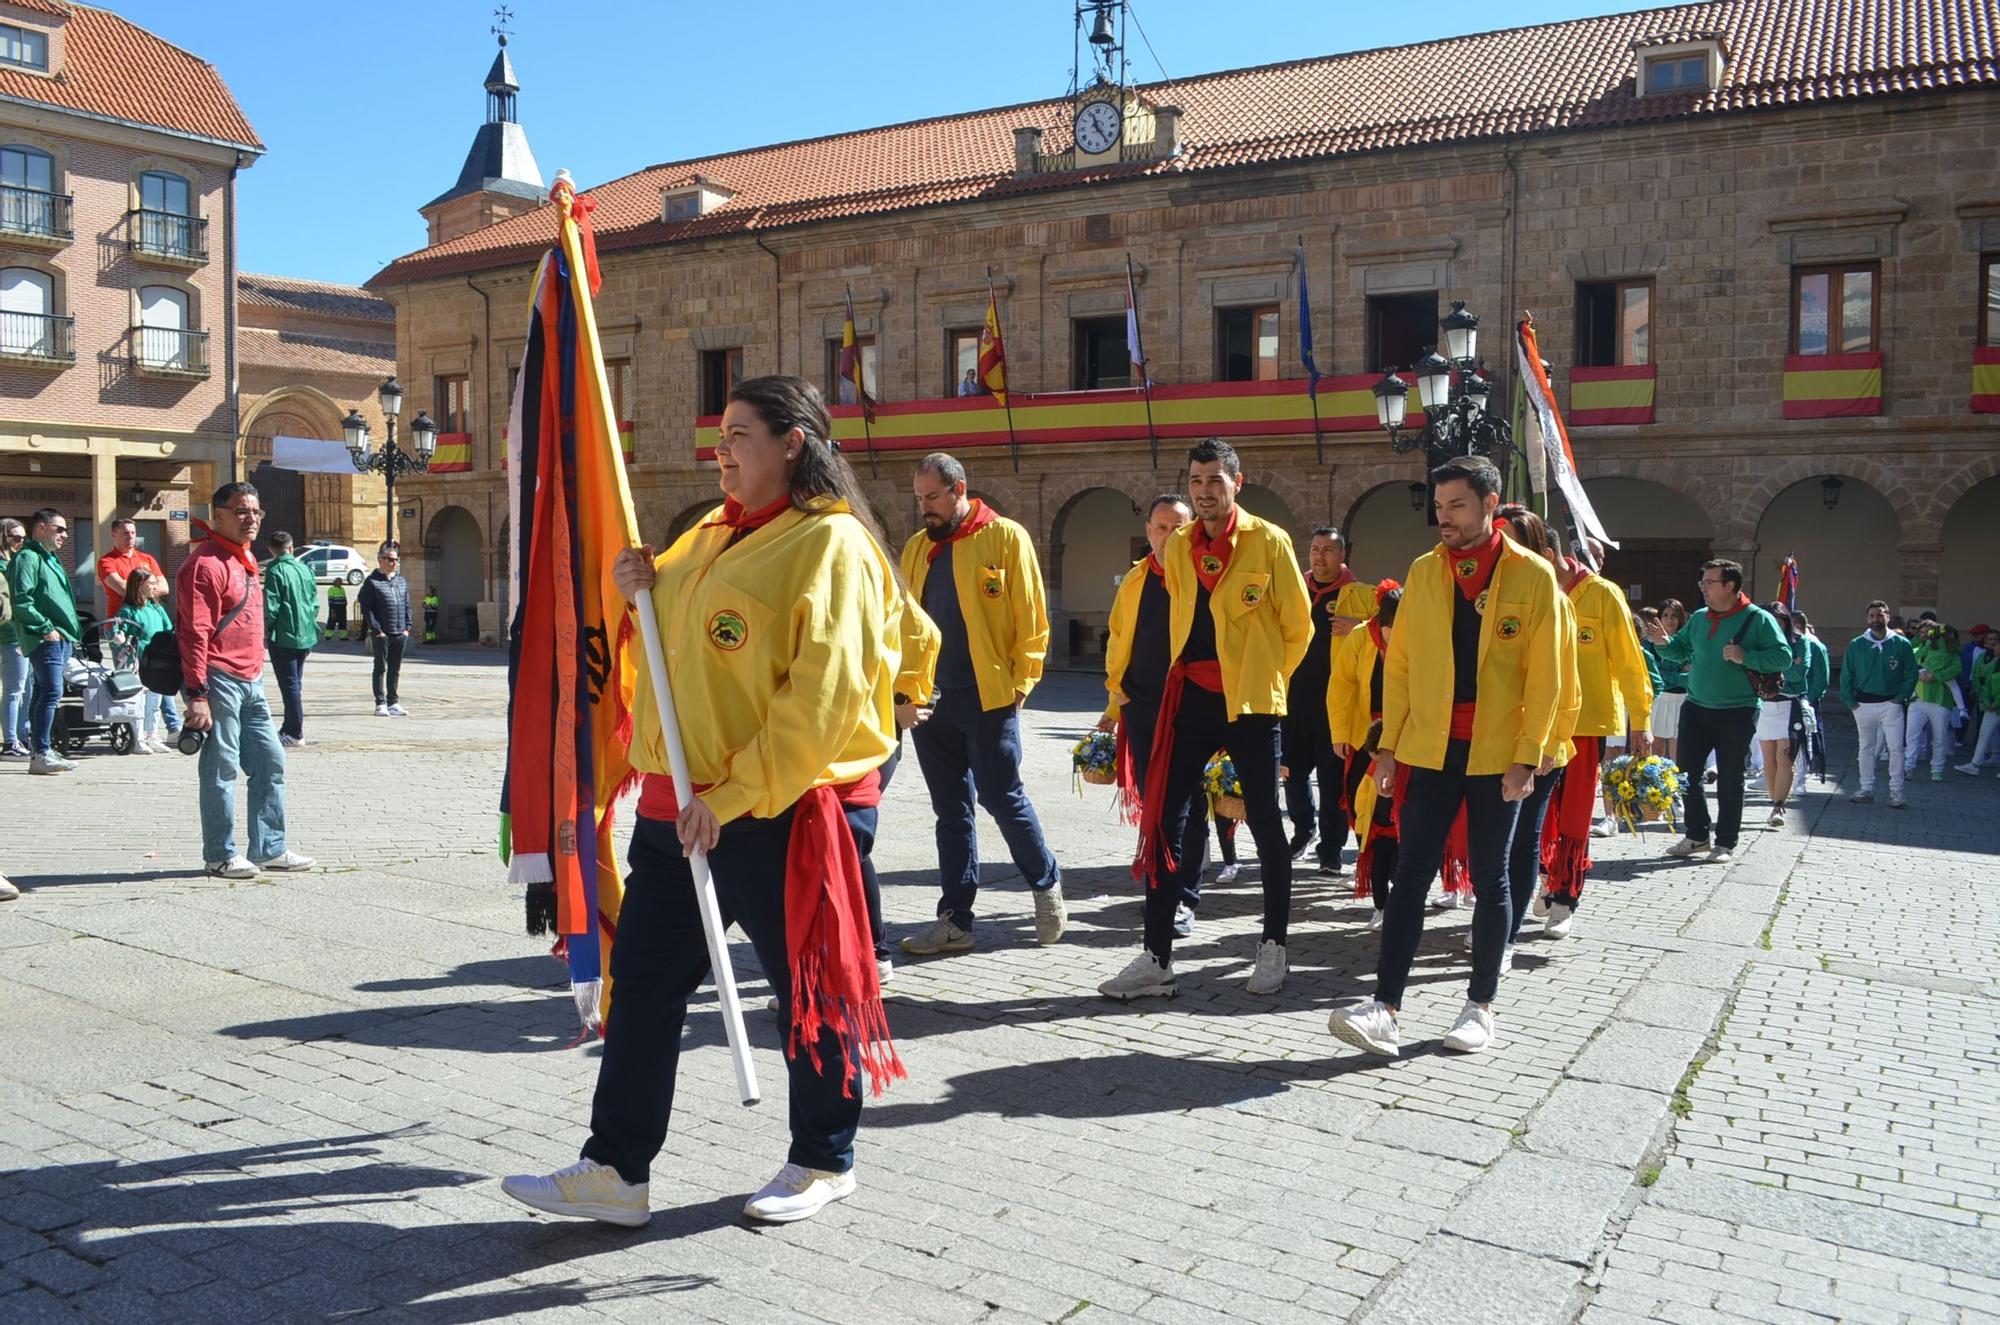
1253,743
1727,733
658,962
970,756
1140,717
1524,858
290,665
1309,751
1430,805
389,665
862,821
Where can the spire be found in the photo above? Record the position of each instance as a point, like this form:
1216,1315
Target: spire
501,87
500,168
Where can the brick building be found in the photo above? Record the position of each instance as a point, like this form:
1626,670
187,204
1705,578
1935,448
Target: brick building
1761,239
118,161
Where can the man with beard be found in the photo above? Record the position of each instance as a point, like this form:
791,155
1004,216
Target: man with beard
974,573
1878,674
1339,604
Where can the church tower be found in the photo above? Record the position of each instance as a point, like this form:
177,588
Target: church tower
500,178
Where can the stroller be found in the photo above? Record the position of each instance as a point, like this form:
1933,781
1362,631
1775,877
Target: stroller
97,701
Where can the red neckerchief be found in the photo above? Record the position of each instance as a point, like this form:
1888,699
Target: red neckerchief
1716,619
977,519
237,552
1471,569
1211,556
1154,568
1340,581
735,517
1578,573
1375,634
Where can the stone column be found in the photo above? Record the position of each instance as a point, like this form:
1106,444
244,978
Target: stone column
1919,589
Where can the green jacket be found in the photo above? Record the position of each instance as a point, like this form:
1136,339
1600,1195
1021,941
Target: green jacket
291,605
1986,682
1810,671
42,598
1670,676
1941,661
8,635
139,624
1715,682
1878,667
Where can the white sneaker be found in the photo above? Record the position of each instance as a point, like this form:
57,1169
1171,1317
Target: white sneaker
1143,977
140,746
1268,976
1605,827
287,863
1558,924
289,742
1507,959
1777,819
1540,906
1721,856
47,766
1896,801
398,711
1472,1031
798,1192
381,710
1968,768
1687,846
1374,922
1863,798
8,892
160,747
1051,914
1228,873
586,1189
940,936
885,970
1447,901
1370,1027
234,868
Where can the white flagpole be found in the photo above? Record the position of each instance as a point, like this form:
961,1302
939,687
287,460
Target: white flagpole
704,885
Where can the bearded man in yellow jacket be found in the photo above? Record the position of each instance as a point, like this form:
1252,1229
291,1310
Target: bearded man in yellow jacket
974,573
1239,621
1471,686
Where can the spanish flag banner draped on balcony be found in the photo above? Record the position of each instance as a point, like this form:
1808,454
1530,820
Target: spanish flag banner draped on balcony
453,454
1833,386
1548,441
1600,396
569,673
1986,380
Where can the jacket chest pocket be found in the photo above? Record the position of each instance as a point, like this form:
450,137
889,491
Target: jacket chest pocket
723,621
1244,594
1589,633
1510,624
990,583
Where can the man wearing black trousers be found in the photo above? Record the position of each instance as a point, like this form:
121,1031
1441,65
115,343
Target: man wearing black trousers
1340,602
385,611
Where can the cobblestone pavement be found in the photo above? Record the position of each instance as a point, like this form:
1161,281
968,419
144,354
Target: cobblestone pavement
1762,1092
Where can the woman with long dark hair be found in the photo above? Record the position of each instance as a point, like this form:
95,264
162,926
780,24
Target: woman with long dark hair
1783,724
780,620
1673,614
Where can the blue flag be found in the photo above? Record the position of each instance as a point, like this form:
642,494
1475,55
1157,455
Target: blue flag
1306,329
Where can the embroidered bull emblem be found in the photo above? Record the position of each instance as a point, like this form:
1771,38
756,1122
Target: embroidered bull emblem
1509,627
1479,603
1211,564
1467,568
1586,635
1253,594
990,586
727,631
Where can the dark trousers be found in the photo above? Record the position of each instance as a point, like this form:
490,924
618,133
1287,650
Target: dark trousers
1254,744
970,756
862,821
336,618
1309,751
1430,805
290,665
658,962
1727,734
388,666
1524,857
1140,718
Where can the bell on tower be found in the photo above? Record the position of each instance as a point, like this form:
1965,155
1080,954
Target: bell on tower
499,178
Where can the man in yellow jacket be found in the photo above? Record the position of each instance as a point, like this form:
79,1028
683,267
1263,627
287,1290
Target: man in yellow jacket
1470,691
1340,602
974,574
1239,621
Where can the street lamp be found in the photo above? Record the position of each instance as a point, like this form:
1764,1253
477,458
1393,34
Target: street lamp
391,461
1829,491
1455,393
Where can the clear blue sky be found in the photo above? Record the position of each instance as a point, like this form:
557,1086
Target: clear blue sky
367,107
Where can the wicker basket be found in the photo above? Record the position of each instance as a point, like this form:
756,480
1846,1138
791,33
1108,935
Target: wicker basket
1231,807
1097,777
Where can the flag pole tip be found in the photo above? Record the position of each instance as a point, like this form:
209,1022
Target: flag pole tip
564,177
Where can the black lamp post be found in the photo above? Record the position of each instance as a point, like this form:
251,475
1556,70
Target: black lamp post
1454,392
391,461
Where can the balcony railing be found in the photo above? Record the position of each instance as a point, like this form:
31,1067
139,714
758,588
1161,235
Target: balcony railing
43,338
34,216
169,236
169,352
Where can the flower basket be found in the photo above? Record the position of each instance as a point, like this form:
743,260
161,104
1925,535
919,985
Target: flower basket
1225,789
1643,791
1231,807
1095,760
1096,777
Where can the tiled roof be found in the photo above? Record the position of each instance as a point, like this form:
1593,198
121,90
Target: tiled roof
1545,79
116,68
295,351
322,298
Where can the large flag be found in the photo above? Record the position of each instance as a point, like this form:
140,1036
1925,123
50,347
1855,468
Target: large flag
1306,329
851,362
993,350
1547,441
570,679
1135,347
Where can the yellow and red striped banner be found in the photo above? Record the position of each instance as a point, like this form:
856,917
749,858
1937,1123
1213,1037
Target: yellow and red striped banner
1833,386
453,454
627,438
1209,409
1986,379
1600,396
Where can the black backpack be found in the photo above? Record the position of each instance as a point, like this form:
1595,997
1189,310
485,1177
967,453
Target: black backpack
160,662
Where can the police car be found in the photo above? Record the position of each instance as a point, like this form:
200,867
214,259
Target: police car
331,563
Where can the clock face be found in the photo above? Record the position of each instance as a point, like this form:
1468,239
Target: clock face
1098,127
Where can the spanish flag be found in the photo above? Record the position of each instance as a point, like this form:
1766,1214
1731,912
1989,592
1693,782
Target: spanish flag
569,674
993,350
851,368
1986,380
1833,386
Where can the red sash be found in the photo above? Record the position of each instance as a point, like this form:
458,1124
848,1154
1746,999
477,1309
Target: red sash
1566,829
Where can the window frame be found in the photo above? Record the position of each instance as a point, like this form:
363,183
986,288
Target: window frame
1372,310
871,380
1989,300
1837,272
27,37
42,344
954,337
179,357
616,371
1080,341
1618,287
1676,60
444,387
1254,312
714,391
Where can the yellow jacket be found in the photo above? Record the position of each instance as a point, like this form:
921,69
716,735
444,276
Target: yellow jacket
1608,661
917,677
783,653
999,584
1348,711
1124,621
1569,695
1520,670
1356,601
1263,615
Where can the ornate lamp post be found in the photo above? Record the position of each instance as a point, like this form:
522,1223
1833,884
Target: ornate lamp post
1454,392
391,461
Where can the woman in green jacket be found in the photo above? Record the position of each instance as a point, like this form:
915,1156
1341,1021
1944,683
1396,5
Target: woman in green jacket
13,660
143,616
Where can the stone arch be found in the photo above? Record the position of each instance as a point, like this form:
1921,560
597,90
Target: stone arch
1713,494
1090,548
1738,526
1847,555
1351,482
1384,532
1967,593
321,411
454,566
1663,533
1268,503
291,499
684,521
1943,497
1299,498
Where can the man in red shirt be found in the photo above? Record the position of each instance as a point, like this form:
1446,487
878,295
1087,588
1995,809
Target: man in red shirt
114,566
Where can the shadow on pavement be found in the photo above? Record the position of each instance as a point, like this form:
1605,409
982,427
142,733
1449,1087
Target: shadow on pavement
519,972
28,881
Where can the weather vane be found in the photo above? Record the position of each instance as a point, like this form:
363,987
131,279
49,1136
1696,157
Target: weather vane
506,16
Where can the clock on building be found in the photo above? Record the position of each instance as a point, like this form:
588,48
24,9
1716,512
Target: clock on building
1099,125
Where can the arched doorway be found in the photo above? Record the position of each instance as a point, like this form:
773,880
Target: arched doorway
1663,537
456,566
1094,541
1265,504
685,521
282,492
1968,594
1847,554
1386,531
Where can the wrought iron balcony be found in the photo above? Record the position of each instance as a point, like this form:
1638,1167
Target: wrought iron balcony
170,353
168,239
46,340
32,218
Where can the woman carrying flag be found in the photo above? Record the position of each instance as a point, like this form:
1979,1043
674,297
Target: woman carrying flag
781,620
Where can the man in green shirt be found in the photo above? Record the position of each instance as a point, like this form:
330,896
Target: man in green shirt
1878,674
1720,645
291,630
46,623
